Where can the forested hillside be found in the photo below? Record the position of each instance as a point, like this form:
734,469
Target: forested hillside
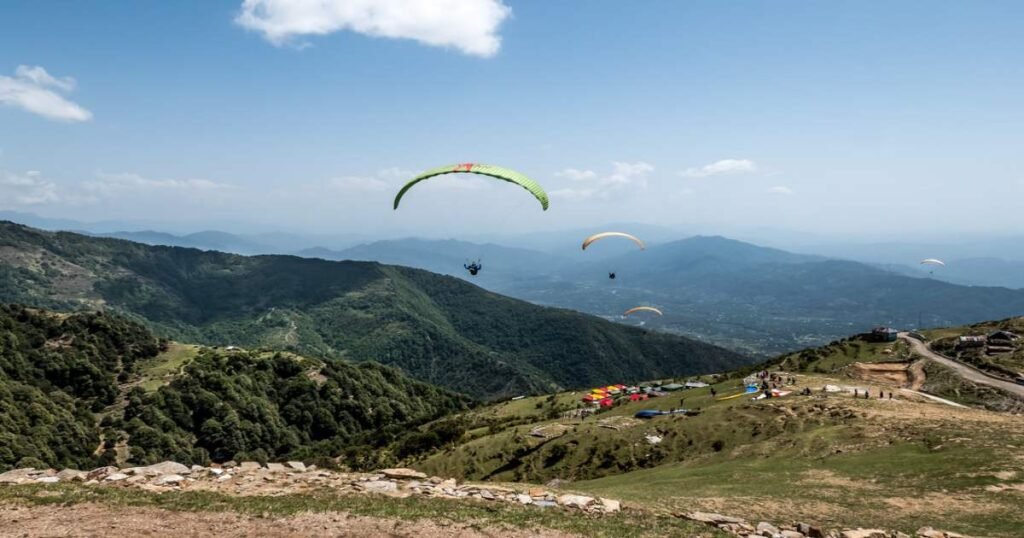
72,395
439,329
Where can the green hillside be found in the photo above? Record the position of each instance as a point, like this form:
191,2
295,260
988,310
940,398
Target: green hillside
439,329
73,393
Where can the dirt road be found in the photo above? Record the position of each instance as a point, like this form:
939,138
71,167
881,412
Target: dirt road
967,372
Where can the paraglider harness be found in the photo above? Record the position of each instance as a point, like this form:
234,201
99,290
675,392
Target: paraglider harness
473,267
611,275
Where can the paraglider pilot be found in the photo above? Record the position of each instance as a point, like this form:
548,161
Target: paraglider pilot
473,267
611,276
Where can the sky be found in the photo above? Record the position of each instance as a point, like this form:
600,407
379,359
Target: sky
831,119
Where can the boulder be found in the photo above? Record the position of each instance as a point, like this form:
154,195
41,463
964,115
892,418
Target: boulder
248,466
47,480
610,506
101,473
810,530
18,476
115,477
537,492
486,494
863,533
403,474
575,501
196,469
230,464
297,465
545,504
792,534
710,518
72,475
169,480
378,486
767,529
450,484
524,499
167,467
276,468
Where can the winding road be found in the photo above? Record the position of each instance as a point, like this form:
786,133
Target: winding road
967,372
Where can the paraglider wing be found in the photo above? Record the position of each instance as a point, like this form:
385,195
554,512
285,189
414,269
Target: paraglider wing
642,309
603,235
496,172
933,261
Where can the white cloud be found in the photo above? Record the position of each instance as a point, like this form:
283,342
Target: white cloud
781,189
572,194
26,189
725,166
358,183
112,184
33,89
628,173
576,175
470,26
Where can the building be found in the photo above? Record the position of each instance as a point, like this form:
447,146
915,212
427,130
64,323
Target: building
883,334
966,342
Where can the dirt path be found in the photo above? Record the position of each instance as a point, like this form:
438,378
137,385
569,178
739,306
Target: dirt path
967,372
87,520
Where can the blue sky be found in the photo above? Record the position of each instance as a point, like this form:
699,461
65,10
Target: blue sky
842,118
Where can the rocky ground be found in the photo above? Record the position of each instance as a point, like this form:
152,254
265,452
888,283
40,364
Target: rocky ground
276,479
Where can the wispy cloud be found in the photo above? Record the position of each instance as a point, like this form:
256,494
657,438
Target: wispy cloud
470,26
723,167
110,184
781,190
359,183
36,91
594,185
27,189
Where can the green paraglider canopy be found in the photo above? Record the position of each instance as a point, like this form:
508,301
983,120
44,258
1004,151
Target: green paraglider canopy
496,172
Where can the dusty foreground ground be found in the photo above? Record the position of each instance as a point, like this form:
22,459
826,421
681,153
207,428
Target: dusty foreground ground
110,521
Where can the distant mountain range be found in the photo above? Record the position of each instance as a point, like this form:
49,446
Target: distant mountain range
438,329
756,299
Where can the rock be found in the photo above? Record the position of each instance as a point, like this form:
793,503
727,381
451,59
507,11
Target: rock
863,533
792,534
450,484
72,475
247,466
524,499
223,477
545,504
18,476
710,518
115,477
928,532
610,506
378,486
168,467
230,464
196,469
575,501
216,472
537,492
767,529
47,480
101,473
276,468
403,474
135,479
297,465
486,494
169,480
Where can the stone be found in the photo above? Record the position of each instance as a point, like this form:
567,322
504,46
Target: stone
928,532
863,533
72,475
767,529
276,468
379,486
115,477
791,534
197,469
47,480
545,504
450,483
230,464
169,480
575,501
168,467
223,477
101,473
247,466
403,474
18,476
135,479
216,472
537,492
297,465
710,518
610,506
524,499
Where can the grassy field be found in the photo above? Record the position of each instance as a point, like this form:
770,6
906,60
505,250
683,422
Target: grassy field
628,523
162,368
